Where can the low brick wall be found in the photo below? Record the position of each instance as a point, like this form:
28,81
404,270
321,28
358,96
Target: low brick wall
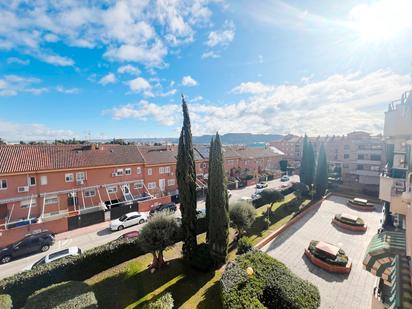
361,208
355,228
146,205
330,268
10,236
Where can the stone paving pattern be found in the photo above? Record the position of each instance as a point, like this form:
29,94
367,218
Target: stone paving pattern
337,291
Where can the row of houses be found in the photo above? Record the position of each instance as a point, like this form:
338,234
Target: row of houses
47,182
359,156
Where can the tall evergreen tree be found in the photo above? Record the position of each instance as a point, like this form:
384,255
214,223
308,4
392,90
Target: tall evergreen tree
302,171
186,181
310,165
218,206
208,186
321,183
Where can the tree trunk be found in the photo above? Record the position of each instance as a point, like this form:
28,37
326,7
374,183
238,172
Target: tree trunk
155,261
160,259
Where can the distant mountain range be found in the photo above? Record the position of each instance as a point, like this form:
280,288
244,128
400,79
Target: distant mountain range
229,138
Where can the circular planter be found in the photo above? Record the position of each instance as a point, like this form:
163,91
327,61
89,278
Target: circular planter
359,207
328,267
355,228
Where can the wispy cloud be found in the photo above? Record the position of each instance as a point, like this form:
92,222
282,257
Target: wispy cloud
222,37
67,90
12,85
252,87
128,69
140,85
189,81
110,78
16,60
210,54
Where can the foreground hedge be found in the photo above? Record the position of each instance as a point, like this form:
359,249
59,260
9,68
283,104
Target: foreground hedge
65,295
165,301
75,268
272,285
5,302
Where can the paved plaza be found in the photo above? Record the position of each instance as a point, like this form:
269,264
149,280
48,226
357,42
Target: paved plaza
337,290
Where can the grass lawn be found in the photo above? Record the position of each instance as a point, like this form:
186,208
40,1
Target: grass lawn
130,285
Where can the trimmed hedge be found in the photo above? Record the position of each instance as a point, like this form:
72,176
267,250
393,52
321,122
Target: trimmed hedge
358,222
75,268
64,295
272,285
244,245
165,301
201,259
5,301
340,260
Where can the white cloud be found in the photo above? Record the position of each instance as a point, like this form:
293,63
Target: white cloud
128,69
222,37
12,85
67,90
338,104
135,31
16,60
210,54
164,114
110,78
189,81
252,87
140,84
168,93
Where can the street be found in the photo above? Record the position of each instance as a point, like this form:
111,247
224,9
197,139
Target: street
99,234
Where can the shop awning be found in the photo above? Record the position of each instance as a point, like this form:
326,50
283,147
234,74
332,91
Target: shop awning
381,252
400,292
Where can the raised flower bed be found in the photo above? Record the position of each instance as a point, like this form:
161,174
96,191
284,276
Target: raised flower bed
361,204
328,257
350,222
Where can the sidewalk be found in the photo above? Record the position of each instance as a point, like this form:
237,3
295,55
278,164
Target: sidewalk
84,230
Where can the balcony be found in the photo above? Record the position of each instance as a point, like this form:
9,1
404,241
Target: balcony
370,162
391,190
367,173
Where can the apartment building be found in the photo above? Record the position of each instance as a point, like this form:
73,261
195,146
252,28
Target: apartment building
389,253
46,182
358,155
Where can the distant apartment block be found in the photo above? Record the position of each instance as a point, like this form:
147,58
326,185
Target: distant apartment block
389,253
359,155
47,182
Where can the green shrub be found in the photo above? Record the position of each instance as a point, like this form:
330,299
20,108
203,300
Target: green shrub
201,259
244,245
238,290
64,295
165,301
340,260
358,222
5,301
242,215
77,268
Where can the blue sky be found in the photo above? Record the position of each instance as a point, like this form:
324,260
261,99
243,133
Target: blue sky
104,69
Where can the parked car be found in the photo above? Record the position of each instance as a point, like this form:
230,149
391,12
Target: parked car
130,235
163,207
284,178
201,213
261,185
72,251
34,243
129,219
255,196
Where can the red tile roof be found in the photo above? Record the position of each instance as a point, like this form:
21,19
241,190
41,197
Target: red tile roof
31,158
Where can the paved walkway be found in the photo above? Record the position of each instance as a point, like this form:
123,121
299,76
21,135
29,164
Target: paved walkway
337,291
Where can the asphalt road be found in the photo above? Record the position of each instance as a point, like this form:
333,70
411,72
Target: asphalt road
99,234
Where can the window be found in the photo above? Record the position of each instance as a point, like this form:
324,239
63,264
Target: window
49,200
139,170
204,164
112,189
119,172
69,177
151,185
43,180
167,169
346,156
230,162
171,182
32,181
128,171
375,168
3,184
138,184
346,147
360,167
26,204
90,193
161,170
375,157
361,157
149,171
80,176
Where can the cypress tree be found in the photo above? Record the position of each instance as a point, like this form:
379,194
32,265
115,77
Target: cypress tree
218,206
310,165
303,161
186,181
321,182
207,204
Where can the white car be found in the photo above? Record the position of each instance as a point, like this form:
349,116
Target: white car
72,251
129,219
255,196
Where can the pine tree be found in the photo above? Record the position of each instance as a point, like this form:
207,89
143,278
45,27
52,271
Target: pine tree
186,181
218,206
321,182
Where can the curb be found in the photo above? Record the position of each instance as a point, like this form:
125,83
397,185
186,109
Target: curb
276,233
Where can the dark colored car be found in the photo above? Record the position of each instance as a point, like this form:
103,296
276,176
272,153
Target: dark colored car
34,243
163,207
